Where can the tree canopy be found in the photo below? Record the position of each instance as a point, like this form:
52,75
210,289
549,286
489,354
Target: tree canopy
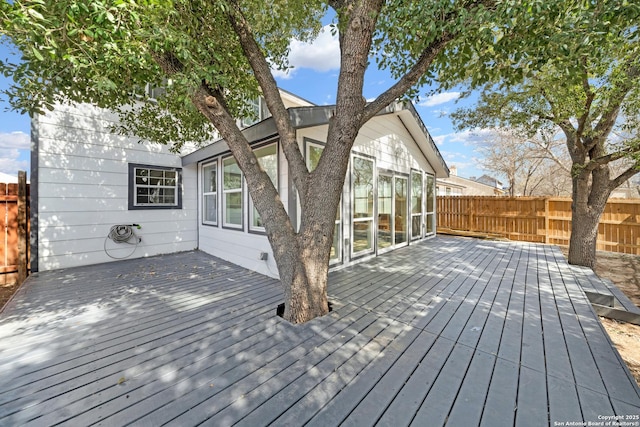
587,85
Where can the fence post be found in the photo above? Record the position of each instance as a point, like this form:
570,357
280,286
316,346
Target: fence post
546,220
22,227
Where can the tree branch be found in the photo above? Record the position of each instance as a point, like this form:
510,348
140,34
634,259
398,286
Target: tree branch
211,103
586,86
262,73
624,176
609,116
603,160
409,79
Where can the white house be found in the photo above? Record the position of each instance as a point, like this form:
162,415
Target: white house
86,180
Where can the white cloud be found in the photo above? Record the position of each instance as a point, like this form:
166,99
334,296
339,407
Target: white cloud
440,98
10,146
468,138
322,54
11,165
15,140
439,140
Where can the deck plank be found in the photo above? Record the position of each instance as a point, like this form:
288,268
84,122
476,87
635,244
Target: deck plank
451,331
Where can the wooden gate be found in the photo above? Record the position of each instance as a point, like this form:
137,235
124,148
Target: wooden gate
14,221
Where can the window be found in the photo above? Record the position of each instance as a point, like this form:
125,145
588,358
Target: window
232,193
154,187
430,216
416,204
268,159
210,194
257,111
362,202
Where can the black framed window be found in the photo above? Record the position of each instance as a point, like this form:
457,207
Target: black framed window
154,187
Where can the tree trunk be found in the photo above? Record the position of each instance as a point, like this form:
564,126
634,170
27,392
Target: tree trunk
590,195
306,292
584,235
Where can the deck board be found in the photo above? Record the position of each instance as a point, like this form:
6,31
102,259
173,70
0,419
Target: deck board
451,331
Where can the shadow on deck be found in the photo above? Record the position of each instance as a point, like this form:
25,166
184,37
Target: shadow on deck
449,331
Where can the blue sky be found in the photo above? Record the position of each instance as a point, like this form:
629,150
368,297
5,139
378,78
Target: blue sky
314,78
14,129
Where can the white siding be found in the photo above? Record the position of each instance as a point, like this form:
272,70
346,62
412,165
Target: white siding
83,191
386,139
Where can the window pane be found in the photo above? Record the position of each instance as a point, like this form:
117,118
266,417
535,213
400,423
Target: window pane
211,208
268,159
400,219
169,195
233,208
253,112
415,225
210,193
385,220
430,222
416,192
209,184
430,194
362,236
313,156
362,188
232,175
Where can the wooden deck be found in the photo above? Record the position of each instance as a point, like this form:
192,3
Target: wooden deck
451,331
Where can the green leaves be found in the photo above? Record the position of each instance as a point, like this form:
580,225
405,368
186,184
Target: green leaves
100,51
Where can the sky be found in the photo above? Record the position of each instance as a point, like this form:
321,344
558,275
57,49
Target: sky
15,136
314,77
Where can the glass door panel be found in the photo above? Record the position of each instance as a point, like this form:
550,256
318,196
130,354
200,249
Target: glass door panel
385,211
362,202
400,214
430,205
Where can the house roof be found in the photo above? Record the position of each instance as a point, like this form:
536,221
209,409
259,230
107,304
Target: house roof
305,117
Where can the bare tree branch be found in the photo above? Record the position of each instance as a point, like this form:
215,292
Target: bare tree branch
624,176
606,159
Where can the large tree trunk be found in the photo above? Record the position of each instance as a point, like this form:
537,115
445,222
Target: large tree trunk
590,195
584,235
304,278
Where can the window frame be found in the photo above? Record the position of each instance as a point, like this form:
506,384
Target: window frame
215,193
430,211
372,218
420,213
224,192
133,204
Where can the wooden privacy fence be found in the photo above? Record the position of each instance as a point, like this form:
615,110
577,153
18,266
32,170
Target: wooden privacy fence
539,219
14,215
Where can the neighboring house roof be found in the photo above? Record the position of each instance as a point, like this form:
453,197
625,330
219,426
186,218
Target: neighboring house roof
470,187
304,117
